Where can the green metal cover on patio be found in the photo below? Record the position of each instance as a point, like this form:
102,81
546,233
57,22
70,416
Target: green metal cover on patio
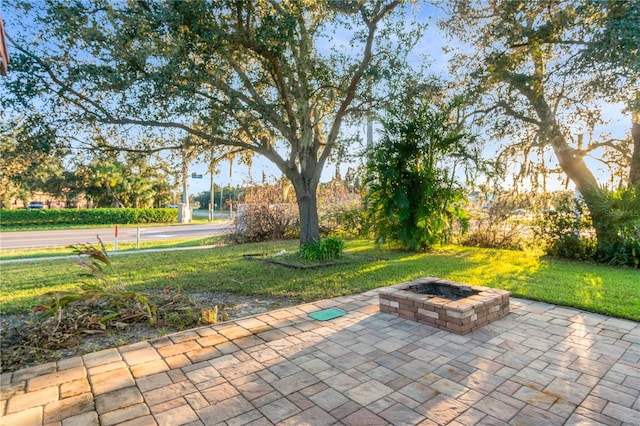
327,314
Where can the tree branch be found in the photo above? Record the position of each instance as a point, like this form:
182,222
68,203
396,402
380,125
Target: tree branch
258,103
610,143
516,114
552,42
355,79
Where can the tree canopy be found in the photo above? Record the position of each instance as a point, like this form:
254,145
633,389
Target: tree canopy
22,156
278,78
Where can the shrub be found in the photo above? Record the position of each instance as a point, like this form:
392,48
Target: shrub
261,221
341,211
620,209
572,246
568,232
499,227
414,196
323,249
270,211
17,218
347,219
267,211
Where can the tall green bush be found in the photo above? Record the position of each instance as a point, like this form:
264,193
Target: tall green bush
414,195
621,245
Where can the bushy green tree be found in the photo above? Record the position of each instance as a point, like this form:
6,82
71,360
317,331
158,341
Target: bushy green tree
278,78
566,229
131,182
414,194
622,207
27,148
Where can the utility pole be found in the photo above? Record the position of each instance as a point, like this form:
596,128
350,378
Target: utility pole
211,191
211,199
185,182
230,188
184,212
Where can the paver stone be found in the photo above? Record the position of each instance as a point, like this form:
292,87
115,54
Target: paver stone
368,392
60,410
177,416
123,414
118,399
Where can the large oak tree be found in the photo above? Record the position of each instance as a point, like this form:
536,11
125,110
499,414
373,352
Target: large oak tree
275,77
538,69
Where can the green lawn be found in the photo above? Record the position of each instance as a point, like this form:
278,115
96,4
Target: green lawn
607,290
122,247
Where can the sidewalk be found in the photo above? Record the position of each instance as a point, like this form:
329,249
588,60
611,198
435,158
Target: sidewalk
540,365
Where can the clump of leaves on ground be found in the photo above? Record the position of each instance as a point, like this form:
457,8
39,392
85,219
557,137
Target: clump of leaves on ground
102,306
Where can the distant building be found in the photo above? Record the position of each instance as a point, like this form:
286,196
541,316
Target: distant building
4,52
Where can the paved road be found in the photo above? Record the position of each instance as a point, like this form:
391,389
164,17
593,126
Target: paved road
61,238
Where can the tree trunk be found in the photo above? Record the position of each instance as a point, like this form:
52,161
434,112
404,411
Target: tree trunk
306,195
585,182
576,169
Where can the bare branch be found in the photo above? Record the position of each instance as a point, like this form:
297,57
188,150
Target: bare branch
507,108
613,143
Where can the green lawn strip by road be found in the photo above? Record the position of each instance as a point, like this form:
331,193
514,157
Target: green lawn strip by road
122,247
607,290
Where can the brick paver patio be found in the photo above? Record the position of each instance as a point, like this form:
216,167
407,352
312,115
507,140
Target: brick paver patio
540,365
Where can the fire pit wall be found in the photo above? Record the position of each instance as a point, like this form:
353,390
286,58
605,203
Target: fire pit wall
483,306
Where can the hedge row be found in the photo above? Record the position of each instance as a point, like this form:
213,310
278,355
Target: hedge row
86,217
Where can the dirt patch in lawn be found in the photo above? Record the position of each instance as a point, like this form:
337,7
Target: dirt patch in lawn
26,341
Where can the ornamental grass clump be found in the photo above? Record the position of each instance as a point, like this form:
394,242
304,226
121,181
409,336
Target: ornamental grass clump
324,249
